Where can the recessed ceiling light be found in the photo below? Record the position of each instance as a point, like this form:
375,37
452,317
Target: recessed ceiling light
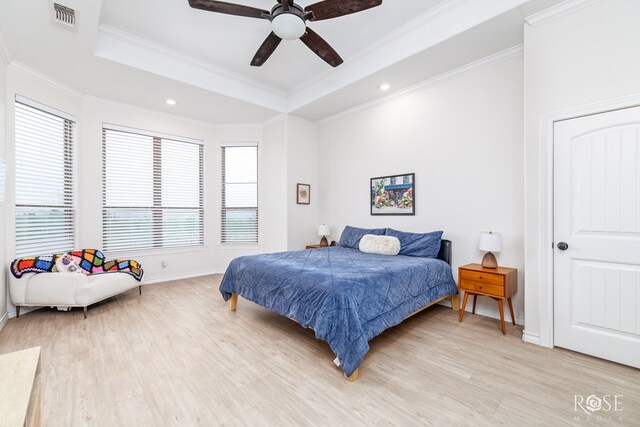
384,87
171,101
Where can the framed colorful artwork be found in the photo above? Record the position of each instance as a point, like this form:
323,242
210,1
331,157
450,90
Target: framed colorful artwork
393,195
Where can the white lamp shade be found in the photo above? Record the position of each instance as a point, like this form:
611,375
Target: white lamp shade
324,230
490,241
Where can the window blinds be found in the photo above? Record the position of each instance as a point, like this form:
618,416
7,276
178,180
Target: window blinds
152,191
240,194
45,206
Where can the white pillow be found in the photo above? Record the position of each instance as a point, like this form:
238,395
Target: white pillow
66,264
381,245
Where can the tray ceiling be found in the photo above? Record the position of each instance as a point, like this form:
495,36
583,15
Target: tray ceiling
141,52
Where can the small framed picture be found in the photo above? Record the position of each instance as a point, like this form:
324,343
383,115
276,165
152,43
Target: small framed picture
303,194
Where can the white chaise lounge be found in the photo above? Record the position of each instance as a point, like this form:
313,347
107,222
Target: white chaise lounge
68,289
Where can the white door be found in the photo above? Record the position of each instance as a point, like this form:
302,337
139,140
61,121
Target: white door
597,216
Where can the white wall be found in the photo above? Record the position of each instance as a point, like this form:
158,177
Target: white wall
3,112
273,194
302,167
91,113
291,143
463,138
587,56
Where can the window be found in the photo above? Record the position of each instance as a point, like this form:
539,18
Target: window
45,206
240,193
152,191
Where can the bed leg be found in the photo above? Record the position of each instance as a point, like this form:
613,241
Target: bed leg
233,302
455,302
354,376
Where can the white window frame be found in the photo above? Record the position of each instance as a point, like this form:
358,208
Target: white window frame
239,245
157,136
73,207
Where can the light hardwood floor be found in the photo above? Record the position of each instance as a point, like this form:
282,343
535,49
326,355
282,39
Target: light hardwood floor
177,356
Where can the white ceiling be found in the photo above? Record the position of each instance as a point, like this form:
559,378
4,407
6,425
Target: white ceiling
229,42
141,52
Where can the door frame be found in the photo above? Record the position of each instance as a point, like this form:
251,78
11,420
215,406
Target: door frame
546,208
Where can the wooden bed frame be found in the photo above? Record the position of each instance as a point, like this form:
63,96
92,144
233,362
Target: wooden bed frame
455,305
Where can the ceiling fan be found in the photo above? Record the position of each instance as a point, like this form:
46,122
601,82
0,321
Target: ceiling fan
289,22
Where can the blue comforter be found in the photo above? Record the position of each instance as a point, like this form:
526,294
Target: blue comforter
346,296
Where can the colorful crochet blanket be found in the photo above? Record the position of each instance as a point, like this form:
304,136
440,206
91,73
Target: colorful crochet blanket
91,261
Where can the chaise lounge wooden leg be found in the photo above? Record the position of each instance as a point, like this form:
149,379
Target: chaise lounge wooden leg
17,311
85,312
354,376
233,302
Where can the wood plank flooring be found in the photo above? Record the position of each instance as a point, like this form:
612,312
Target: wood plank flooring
177,356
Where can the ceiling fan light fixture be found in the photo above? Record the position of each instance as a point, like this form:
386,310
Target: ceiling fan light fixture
288,26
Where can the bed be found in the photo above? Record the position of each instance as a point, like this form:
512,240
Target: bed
346,296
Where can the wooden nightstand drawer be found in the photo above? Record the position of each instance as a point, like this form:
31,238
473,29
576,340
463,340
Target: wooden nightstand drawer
479,276
482,287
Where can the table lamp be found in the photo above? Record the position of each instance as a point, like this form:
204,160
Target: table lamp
324,231
490,242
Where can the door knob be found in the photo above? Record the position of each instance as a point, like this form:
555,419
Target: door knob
563,246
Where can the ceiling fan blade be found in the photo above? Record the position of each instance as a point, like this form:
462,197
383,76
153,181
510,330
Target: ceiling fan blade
228,8
266,49
328,9
321,48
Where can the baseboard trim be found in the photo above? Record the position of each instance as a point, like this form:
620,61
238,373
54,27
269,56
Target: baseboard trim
28,309
486,312
530,337
24,309
4,320
181,276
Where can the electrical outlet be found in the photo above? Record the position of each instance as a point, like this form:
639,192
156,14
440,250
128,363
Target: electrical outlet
164,263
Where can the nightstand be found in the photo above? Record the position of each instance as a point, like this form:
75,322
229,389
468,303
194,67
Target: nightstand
497,283
315,247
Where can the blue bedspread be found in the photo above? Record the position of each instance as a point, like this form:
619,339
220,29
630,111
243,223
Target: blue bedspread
346,296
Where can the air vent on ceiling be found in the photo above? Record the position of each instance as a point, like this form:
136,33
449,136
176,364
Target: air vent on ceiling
64,15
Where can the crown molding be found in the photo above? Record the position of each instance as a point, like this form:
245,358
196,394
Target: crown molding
19,66
121,47
190,59
557,11
121,105
5,55
503,55
442,23
415,23
274,119
445,20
